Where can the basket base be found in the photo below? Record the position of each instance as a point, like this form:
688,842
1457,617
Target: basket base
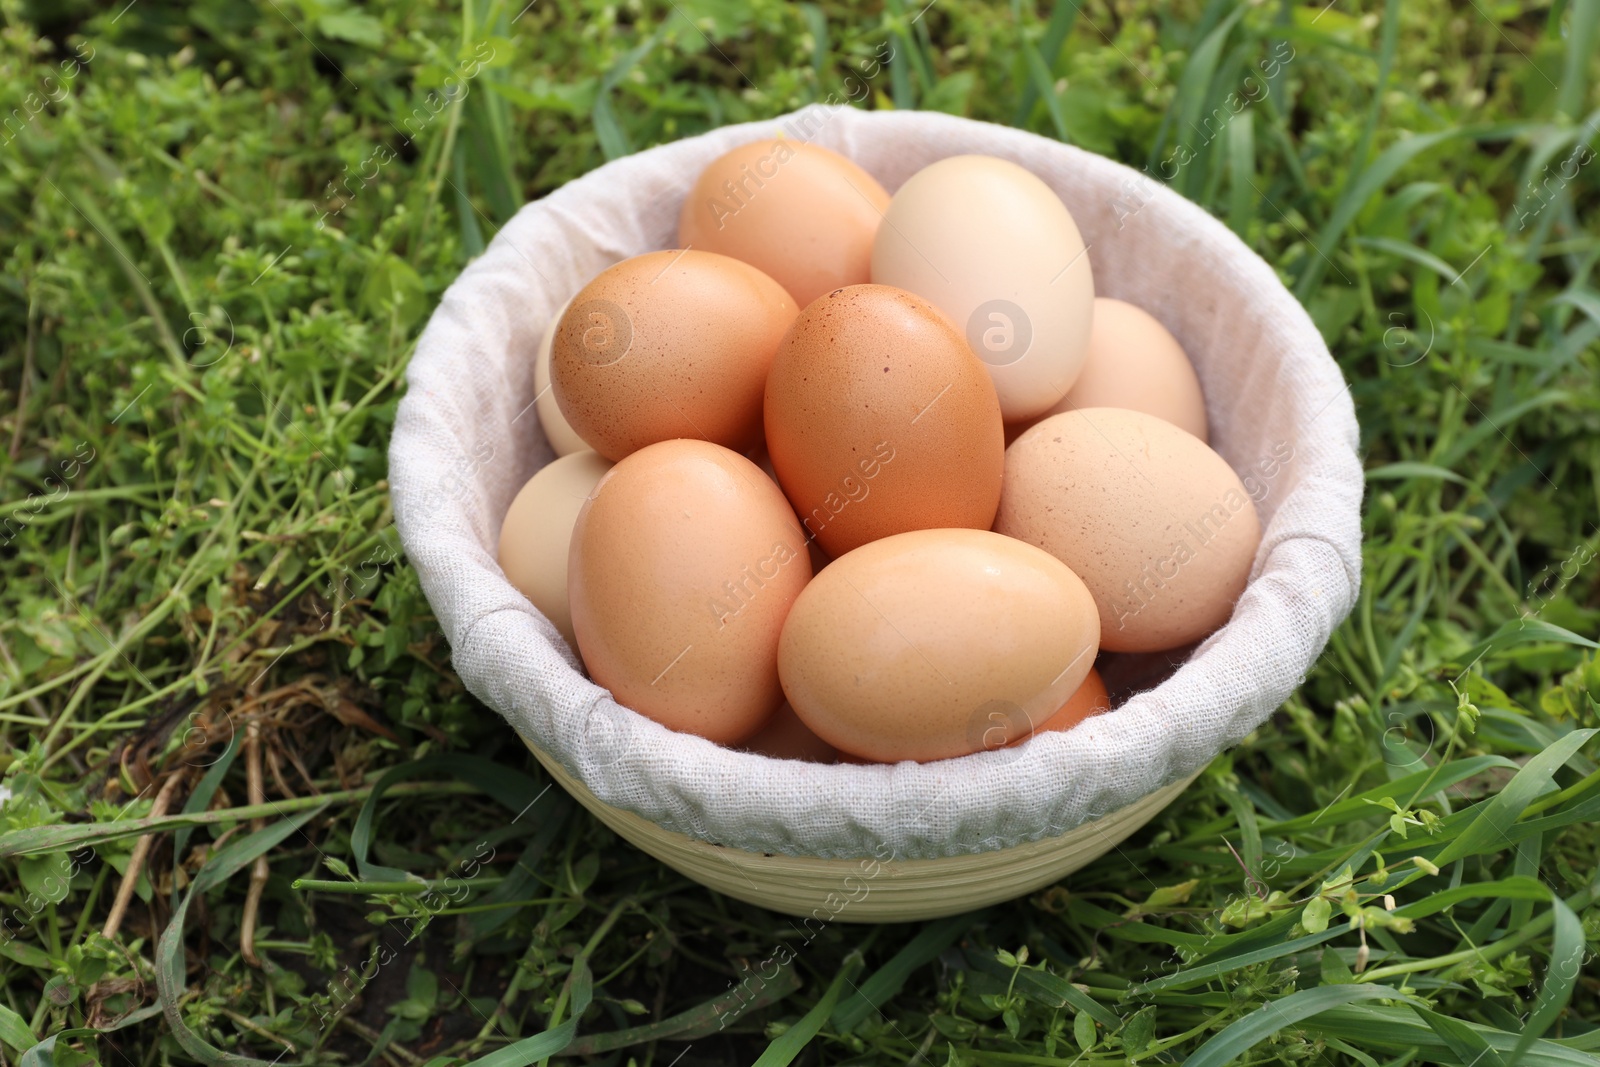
869,891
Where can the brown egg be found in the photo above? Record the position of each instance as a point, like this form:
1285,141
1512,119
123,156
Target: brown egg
668,345
804,215
915,646
758,455
1090,699
537,532
685,562
786,737
880,420
1134,362
1157,525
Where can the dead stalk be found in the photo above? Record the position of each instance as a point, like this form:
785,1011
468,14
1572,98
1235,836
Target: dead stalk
258,870
141,849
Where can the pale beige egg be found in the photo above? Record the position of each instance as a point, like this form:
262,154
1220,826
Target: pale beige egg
994,248
562,437
1134,362
537,532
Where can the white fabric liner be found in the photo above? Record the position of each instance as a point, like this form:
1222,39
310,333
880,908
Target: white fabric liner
466,438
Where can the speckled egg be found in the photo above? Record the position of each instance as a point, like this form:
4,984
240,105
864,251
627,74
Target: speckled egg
880,420
1157,525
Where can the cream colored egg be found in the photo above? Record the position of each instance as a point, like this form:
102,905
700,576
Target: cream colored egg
537,532
993,248
936,643
563,438
1134,362
1157,525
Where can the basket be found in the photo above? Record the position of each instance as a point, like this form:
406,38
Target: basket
881,843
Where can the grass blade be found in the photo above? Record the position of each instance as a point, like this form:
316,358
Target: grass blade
1205,972
1246,1033
613,141
14,1030
472,242
171,981
200,799
1056,32
552,1041
1561,976
817,23
1460,1038
43,1054
1583,29
1359,806
889,979
522,875
517,791
1378,1026
1039,77
793,1041
1045,988
65,837
1521,632
698,1022
1517,887
1242,170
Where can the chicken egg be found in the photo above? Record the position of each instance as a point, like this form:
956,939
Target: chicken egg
992,246
685,561
802,214
537,532
1157,525
1134,362
1091,698
880,420
564,440
669,345
785,736
914,646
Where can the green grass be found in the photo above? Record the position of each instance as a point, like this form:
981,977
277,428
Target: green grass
222,234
